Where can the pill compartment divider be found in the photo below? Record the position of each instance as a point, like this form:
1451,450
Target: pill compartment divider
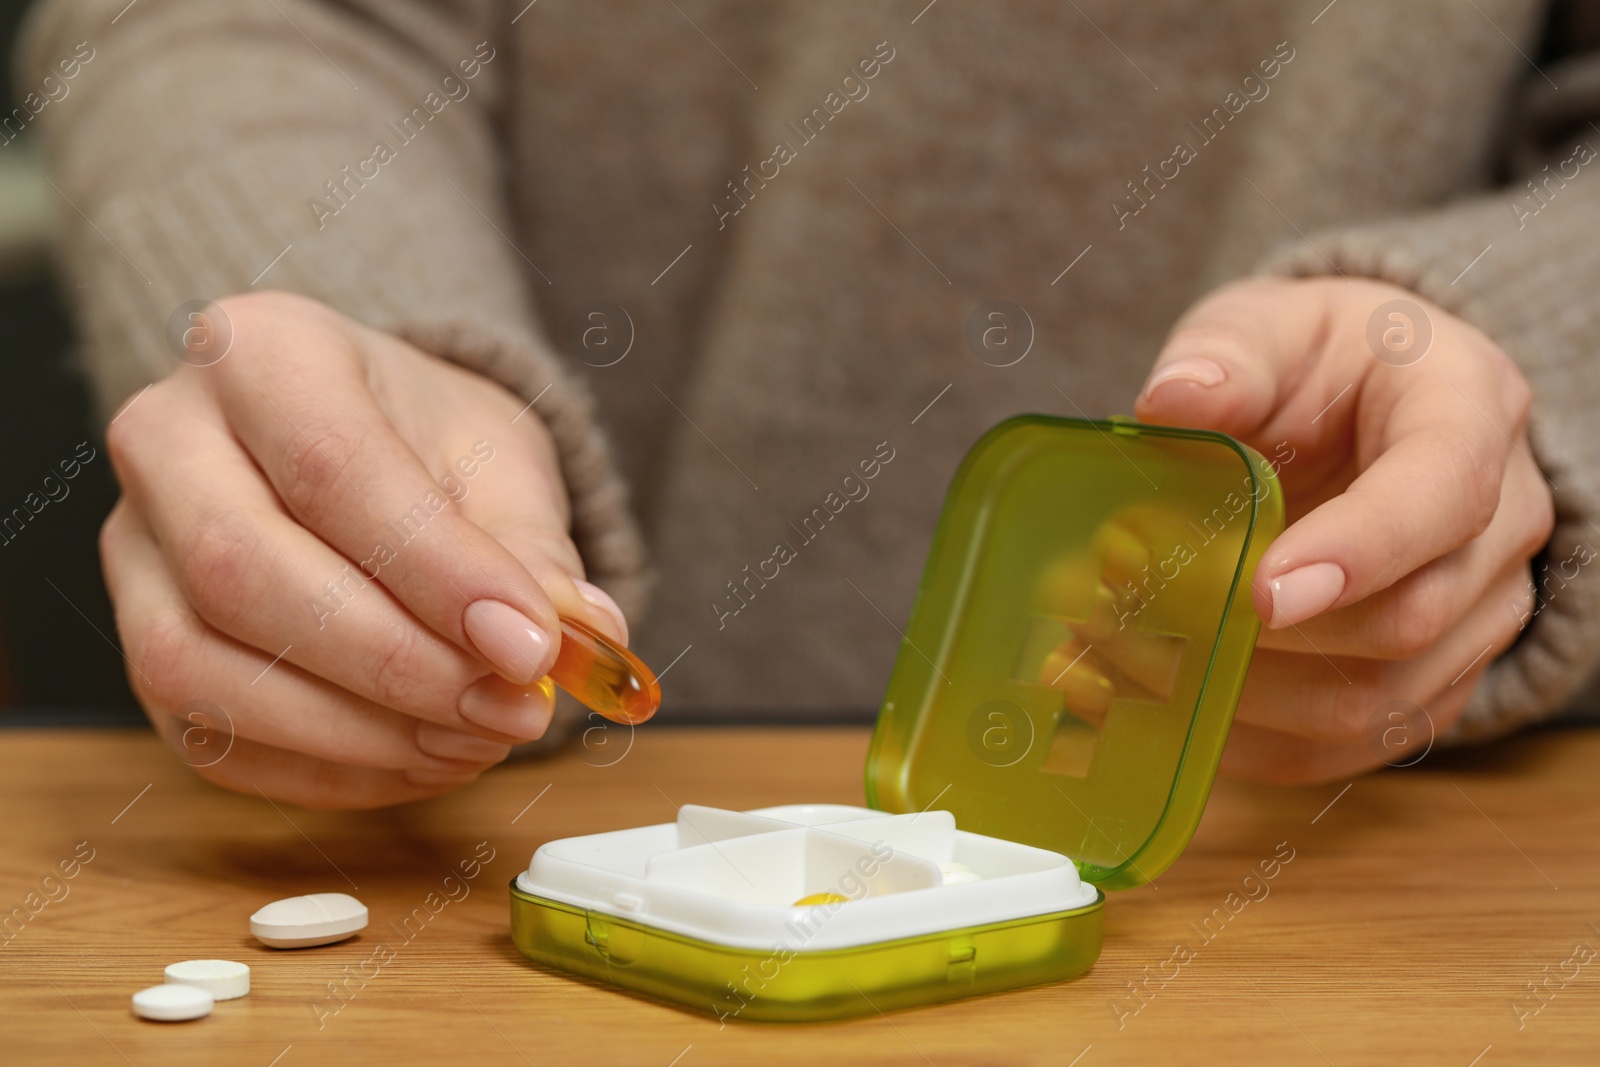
929,834
777,869
698,824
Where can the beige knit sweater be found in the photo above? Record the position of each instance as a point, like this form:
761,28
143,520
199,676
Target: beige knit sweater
790,210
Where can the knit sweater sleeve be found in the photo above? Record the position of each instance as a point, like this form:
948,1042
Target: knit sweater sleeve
343,150
1522,264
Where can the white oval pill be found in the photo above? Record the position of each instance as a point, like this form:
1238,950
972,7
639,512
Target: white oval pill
172,1003
315,919
223,979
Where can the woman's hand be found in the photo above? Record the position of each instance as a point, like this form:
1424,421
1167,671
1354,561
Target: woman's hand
338,562
1414,502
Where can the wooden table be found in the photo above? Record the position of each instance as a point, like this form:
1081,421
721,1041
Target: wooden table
1417,909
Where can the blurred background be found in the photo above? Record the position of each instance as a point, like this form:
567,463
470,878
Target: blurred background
53,668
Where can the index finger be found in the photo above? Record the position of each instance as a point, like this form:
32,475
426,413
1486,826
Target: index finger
1433,439
300,403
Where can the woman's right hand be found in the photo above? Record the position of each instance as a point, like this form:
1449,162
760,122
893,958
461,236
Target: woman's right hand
338,561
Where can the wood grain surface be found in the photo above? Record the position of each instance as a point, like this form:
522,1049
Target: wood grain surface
1419,911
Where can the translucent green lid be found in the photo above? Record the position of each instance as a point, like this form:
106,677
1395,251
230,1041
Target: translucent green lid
1079,640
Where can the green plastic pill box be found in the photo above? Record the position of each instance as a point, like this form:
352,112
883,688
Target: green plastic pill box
1051,730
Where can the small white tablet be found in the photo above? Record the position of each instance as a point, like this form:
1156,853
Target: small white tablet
223,979
172,1003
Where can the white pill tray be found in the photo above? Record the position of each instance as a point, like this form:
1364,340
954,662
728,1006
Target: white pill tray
683,909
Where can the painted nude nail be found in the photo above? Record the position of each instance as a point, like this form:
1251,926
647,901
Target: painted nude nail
1196,369
512,643
593,594
445,743
520,711
1304,592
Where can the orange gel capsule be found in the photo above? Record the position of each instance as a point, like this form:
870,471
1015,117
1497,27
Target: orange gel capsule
604,676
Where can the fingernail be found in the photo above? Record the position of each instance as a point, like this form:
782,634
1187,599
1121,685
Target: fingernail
439,779
446,743
1304,592
508,639
593,594
1197,369
520,711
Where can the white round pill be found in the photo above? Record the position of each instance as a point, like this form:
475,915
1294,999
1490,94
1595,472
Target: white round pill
315,919
223,979
172,1003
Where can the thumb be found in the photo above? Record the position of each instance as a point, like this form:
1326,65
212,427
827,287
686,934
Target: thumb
550,556
521,503
1228,361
